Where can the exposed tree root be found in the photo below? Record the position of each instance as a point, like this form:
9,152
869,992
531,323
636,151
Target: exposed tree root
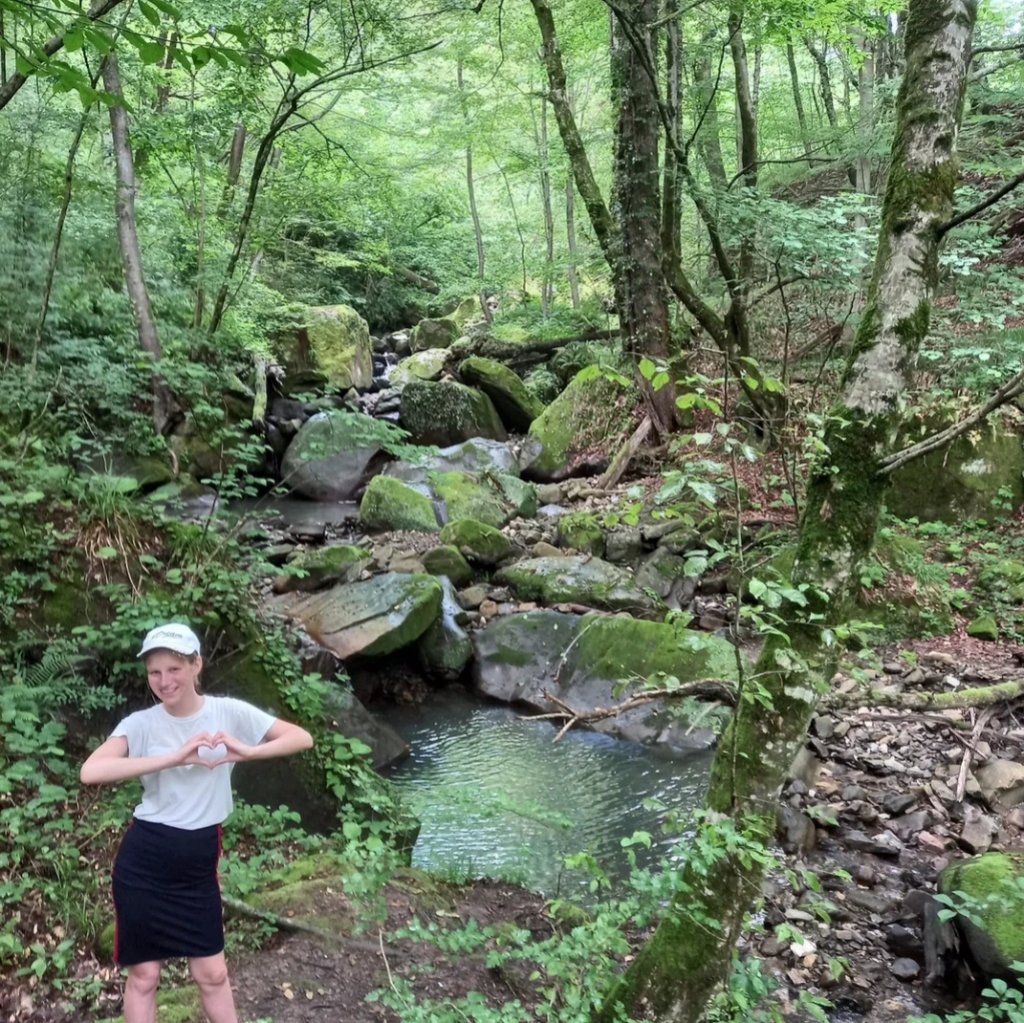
981,696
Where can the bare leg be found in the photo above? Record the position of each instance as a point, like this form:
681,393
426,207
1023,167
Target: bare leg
140,993
211,974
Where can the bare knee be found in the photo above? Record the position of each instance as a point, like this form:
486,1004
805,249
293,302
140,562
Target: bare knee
209,971
144,978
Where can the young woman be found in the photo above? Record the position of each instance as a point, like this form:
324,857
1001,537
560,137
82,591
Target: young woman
166,894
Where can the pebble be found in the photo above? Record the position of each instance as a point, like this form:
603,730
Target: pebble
899,804
903,940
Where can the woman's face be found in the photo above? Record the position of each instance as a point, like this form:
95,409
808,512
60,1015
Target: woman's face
173,678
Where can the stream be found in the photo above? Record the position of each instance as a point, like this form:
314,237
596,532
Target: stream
498,797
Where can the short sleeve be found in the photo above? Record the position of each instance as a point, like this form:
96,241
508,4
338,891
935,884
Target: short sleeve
131,728
248,723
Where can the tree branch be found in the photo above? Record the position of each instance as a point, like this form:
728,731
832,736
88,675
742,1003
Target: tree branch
52,46
961,218
1009,391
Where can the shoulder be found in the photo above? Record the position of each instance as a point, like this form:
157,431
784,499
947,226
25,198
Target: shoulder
139,718
230,706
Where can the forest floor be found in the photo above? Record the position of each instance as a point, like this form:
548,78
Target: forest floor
875,817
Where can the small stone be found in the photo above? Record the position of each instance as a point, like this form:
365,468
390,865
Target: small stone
898,804
910,824
914,903
853,793
914,677
932,843
978,831
799,915
868,901
471,597
905,969
488,608
824,726
772,946
883,844
866,875
903,940
986,627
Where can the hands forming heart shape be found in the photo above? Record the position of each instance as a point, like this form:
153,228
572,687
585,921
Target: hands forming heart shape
212,753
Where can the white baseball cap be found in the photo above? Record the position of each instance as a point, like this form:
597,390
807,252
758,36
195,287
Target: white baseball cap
173,636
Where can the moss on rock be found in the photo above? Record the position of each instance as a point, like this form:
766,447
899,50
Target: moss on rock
433,333
447,560
994,888
446,413
581,531
470,496
320,566
517,407
389,503
477,541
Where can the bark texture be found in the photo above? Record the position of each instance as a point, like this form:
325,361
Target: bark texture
679,969
643,314
166,410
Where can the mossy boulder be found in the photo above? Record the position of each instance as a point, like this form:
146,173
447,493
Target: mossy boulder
578,580
390,504
1003,577
465,495
493,498
313,569
332,341
370,618
584,662
445,648
433,333
425,365
324,462
985,627
594,412
475,455
581,531
992,885
542,384
447,560
477,541
517,407
979,475
446,413
466,311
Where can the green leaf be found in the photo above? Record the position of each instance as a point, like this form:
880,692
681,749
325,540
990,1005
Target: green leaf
151,53
150,13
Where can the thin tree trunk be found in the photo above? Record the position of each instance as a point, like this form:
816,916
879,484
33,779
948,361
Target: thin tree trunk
474,212
570,241
865,118
519,229
3,52
540,134
687,958
165,406
824,80
671,212
709,138
163,90
798,100
583,174
235,156
748,149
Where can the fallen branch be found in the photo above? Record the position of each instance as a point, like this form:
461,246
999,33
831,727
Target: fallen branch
281,923
706,688
982,696
620,463
971,751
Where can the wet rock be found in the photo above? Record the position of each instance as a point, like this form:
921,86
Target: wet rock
447,560
323,463
472,596
369,618
905,969
910,824
903,940
477,541
869,901
445,648
445,413
581,580
313,569
390,504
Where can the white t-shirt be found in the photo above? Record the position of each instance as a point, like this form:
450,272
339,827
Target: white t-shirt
190,796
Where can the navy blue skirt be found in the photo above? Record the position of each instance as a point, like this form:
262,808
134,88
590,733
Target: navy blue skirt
166,894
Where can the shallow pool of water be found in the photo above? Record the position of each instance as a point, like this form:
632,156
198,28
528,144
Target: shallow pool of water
498,797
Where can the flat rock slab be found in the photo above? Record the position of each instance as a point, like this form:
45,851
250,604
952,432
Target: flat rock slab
369,618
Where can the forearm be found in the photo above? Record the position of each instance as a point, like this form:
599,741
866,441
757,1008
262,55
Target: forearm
107,770
293,741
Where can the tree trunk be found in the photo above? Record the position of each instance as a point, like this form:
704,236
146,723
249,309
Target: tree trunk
165,406
547,285
671,212
474,213
798,101
824,80
643,314
688,956
570,242
709,140
582,172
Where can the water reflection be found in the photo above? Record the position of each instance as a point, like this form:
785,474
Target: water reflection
498,797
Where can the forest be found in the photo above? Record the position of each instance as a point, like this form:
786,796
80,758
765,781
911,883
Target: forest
646,371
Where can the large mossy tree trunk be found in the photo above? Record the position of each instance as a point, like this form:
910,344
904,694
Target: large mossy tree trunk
689,954
643,313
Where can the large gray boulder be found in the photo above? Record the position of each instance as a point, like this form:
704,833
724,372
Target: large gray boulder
446,413
578,580
594,412
425,365
586,662
324,462
478,454
445,648
369,618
